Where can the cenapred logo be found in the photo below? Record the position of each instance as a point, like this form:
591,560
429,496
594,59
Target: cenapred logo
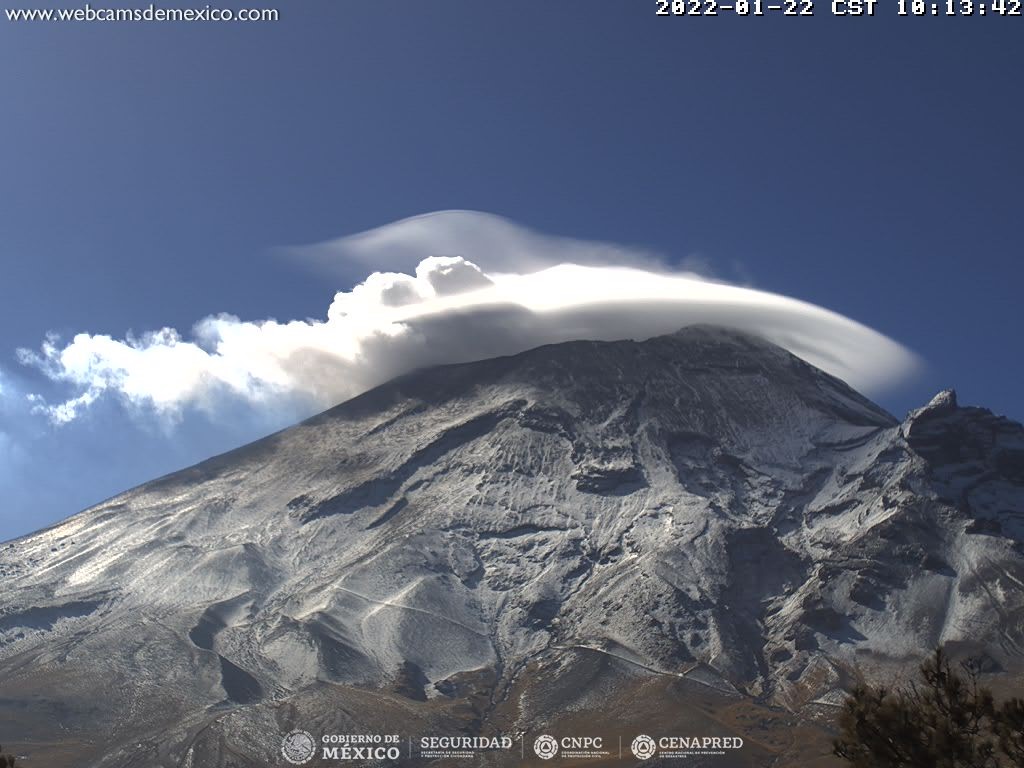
644,747
545,746
298,747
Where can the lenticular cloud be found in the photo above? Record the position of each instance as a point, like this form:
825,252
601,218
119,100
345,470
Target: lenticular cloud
447,309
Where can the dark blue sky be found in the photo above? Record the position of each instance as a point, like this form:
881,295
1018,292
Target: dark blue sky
149,173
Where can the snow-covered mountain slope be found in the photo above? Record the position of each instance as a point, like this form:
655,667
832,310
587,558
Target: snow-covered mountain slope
498,544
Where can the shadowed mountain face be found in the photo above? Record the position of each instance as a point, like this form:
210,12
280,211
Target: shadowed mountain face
698,532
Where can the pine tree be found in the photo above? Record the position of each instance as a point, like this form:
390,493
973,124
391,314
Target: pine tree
946,719
1010,730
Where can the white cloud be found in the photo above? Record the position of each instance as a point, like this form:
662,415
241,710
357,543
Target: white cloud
505,290
493,242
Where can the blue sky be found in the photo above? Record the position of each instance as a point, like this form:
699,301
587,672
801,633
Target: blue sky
155,174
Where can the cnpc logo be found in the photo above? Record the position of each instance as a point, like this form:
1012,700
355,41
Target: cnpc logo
547,747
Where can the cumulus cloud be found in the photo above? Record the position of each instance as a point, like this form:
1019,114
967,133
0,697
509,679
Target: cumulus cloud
48,472
502,289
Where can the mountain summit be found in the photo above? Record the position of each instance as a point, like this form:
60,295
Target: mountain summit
699,526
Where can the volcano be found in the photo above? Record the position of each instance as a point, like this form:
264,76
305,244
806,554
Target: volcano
697,534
